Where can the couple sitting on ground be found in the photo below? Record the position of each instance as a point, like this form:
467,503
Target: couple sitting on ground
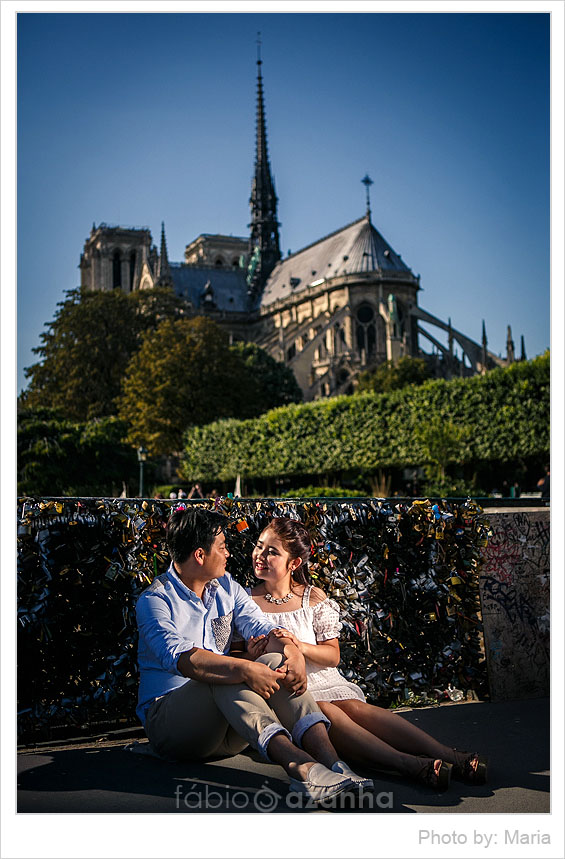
281,691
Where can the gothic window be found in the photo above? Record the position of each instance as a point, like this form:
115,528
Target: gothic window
360,338
366,329
381,334
339,338
235,262
401,317
219,262
116,270
291,352
365,314
131,270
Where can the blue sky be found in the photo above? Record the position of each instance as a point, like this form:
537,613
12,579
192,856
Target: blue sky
137,118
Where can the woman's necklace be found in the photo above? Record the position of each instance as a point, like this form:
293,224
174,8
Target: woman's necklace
278,600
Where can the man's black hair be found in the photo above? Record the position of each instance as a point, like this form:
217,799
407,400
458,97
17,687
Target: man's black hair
190,529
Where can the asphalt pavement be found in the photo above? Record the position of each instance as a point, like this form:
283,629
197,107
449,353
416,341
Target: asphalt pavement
111,773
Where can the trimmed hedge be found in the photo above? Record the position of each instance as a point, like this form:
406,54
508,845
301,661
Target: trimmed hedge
323,492
506,413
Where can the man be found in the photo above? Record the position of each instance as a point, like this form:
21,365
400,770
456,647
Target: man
543,484
195,701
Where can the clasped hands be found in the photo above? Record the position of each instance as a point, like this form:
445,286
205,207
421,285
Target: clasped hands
292,672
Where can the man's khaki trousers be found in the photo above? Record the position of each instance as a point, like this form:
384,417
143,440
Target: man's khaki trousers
201,720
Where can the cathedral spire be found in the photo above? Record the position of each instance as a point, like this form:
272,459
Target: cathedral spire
510,355
522,349
163,271
264,240
484,345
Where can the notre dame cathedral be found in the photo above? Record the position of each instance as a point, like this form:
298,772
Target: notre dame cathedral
341,305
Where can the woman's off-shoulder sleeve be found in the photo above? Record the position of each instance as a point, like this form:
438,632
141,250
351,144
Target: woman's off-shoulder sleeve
325,620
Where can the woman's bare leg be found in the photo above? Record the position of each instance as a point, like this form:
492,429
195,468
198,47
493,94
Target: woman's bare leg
355,743
396,731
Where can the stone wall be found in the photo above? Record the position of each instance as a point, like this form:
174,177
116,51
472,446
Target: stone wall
514,588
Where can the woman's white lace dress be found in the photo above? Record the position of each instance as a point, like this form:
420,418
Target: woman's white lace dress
315,624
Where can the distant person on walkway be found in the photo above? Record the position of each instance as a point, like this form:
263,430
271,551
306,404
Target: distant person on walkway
195,700
196,491
182,493
543,484
361,732
172,495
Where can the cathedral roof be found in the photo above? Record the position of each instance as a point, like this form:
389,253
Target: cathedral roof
222,237
227,288
356,248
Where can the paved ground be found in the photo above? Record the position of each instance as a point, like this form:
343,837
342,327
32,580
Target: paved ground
103,776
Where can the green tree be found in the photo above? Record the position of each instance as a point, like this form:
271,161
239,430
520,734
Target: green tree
443,444
276,383
153,306
86,348
59,457
393,375
184,374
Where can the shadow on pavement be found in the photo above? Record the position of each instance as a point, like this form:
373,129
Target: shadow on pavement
113,779
105,777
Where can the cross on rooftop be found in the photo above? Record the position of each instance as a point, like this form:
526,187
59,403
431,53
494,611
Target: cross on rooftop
367,182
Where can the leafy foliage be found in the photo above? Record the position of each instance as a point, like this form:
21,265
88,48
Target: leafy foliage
86,348
442,443
394,375
275,382
504,416
323,492
110,352
185,373
182,375
59,457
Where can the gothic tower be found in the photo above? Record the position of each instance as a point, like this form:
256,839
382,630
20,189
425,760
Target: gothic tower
117,258
264,246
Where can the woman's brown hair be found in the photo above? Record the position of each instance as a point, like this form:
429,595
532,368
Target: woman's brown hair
296,540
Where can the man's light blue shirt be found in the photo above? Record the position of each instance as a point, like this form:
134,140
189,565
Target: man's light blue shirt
171,619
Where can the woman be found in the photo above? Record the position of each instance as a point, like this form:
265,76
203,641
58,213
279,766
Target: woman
359,731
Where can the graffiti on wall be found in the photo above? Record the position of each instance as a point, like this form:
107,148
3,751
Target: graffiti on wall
514,587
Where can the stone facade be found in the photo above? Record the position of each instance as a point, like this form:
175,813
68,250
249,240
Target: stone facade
337,307
118,257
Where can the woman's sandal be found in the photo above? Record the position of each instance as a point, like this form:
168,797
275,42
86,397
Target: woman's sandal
472,769
435,774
